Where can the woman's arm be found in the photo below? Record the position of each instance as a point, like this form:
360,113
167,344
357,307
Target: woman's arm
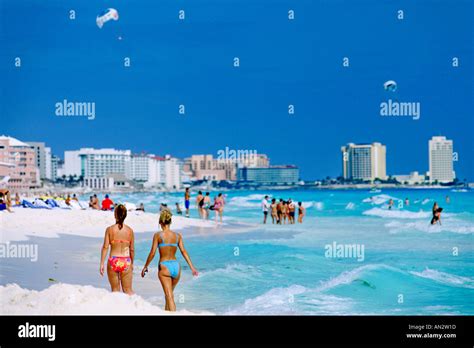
154,245
186,255
132,247
103,253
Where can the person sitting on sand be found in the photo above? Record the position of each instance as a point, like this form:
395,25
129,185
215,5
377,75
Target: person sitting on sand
74,198
68,200
121,240
436,214
169,270
17,199
95,202
4,205
178,209
107,203
301,212
141,207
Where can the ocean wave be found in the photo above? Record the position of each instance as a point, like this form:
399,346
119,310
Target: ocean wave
451,225
379,199
446,278
233,270
397,214
68,299
275,301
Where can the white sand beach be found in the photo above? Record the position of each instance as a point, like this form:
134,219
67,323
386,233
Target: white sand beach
24,222
72,299
67,299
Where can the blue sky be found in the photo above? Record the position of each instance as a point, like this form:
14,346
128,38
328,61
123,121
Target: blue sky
283,62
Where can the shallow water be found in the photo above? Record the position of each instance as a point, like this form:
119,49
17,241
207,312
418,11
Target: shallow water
407,266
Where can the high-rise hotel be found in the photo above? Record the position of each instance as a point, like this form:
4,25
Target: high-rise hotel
364,161
441,160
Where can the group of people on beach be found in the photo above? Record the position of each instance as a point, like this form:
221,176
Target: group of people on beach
282,211
120,239
205,205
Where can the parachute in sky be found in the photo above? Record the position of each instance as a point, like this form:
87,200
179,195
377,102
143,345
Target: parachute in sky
106,16
390,86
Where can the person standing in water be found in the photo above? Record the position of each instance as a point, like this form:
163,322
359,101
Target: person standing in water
265,209
279,211
390,204
199,204
169,270
291,211
121,240
436,214
219,206
273,208
187,198
206,205
301,212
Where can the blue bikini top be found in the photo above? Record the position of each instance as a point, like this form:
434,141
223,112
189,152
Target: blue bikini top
163,244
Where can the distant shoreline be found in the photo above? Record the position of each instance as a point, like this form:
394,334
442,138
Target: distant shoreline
368,187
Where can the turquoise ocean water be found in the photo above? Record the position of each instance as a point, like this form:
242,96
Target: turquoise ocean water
408,266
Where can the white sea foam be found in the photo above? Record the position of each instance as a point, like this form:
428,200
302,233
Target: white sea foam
379,199
275,301
397,214
446,278
449,225
67,299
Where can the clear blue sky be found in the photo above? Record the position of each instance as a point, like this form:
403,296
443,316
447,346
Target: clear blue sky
282,62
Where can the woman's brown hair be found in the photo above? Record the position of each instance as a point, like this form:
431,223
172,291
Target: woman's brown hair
120,214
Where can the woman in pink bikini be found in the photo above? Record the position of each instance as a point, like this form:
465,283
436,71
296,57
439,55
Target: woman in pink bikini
121,240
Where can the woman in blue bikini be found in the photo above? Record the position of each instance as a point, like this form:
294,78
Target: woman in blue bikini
169,272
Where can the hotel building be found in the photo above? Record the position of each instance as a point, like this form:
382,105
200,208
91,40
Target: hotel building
364,161
18,162
440,160
272,175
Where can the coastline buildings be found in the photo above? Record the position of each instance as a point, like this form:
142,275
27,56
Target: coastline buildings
272,175
440,152
89,162
109,168
225,166
45,160
414,178
365,162
18,162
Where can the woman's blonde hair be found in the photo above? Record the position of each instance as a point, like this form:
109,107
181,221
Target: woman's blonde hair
165,217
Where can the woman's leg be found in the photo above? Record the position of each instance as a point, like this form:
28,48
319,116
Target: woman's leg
114,278
127,277
166,283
